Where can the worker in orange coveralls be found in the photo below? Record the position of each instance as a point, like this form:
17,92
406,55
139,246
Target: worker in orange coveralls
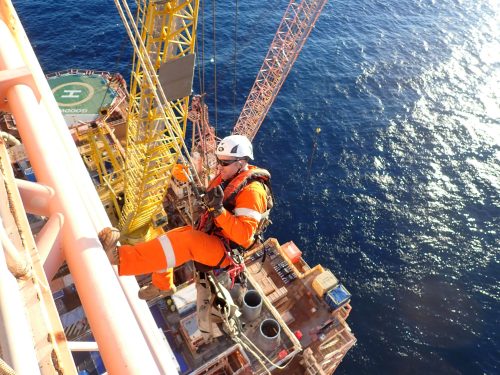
237,205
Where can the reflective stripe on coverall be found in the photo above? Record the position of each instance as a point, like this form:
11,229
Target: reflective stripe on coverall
183,244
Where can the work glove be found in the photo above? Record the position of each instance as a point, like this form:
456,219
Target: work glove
213,199
109,239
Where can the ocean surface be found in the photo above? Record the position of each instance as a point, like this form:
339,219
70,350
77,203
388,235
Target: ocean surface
400,198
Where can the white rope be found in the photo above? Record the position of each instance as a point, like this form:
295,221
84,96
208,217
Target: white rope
239,341
155,86
264,356
256,352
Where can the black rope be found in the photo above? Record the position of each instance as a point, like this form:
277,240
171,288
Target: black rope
235,58
313,151
202,88
215,64
200,57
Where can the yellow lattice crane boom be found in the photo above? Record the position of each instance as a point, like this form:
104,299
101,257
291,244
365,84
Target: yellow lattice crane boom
159,96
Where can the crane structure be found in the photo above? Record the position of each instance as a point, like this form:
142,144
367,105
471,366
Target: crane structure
156,128
102,152
296,25
203,140
100,148
158,110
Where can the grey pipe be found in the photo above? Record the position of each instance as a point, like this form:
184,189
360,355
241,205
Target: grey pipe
269,338
252,305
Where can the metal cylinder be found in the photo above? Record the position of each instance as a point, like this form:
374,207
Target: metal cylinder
252,305
269,335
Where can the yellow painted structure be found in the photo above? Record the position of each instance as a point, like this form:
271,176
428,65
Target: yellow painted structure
155,133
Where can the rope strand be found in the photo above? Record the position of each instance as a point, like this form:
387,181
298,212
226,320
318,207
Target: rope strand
235,59
215,64
237,335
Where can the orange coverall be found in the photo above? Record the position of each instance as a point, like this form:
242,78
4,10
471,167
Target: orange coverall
183,244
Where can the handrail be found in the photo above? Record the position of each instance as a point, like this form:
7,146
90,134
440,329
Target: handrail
122,344
84,188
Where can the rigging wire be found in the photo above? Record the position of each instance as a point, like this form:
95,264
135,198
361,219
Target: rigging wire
198,66
235,58
262,355
313,151
152,79
202,80
215,64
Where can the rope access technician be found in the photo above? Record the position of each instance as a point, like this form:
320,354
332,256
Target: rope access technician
238,201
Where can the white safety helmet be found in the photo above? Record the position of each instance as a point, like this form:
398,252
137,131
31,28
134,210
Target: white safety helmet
236,146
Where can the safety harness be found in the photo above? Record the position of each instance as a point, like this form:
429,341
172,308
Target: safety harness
234,252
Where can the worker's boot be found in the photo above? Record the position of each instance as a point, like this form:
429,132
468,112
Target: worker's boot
151,291
205,313
109,239
216,311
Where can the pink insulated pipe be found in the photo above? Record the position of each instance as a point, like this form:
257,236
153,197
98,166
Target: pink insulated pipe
86,190
113,324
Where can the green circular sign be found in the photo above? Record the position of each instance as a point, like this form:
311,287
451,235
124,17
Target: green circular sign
73,93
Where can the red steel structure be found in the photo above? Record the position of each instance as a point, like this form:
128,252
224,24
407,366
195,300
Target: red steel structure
295,27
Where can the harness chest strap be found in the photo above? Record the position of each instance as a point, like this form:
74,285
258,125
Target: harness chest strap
231,191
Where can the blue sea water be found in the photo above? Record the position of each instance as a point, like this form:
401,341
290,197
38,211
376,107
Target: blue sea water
402,199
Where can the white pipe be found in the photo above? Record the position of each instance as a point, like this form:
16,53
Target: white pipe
48,243
95,210
37,198
16,263
16,339
83,346
100,220
10,139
